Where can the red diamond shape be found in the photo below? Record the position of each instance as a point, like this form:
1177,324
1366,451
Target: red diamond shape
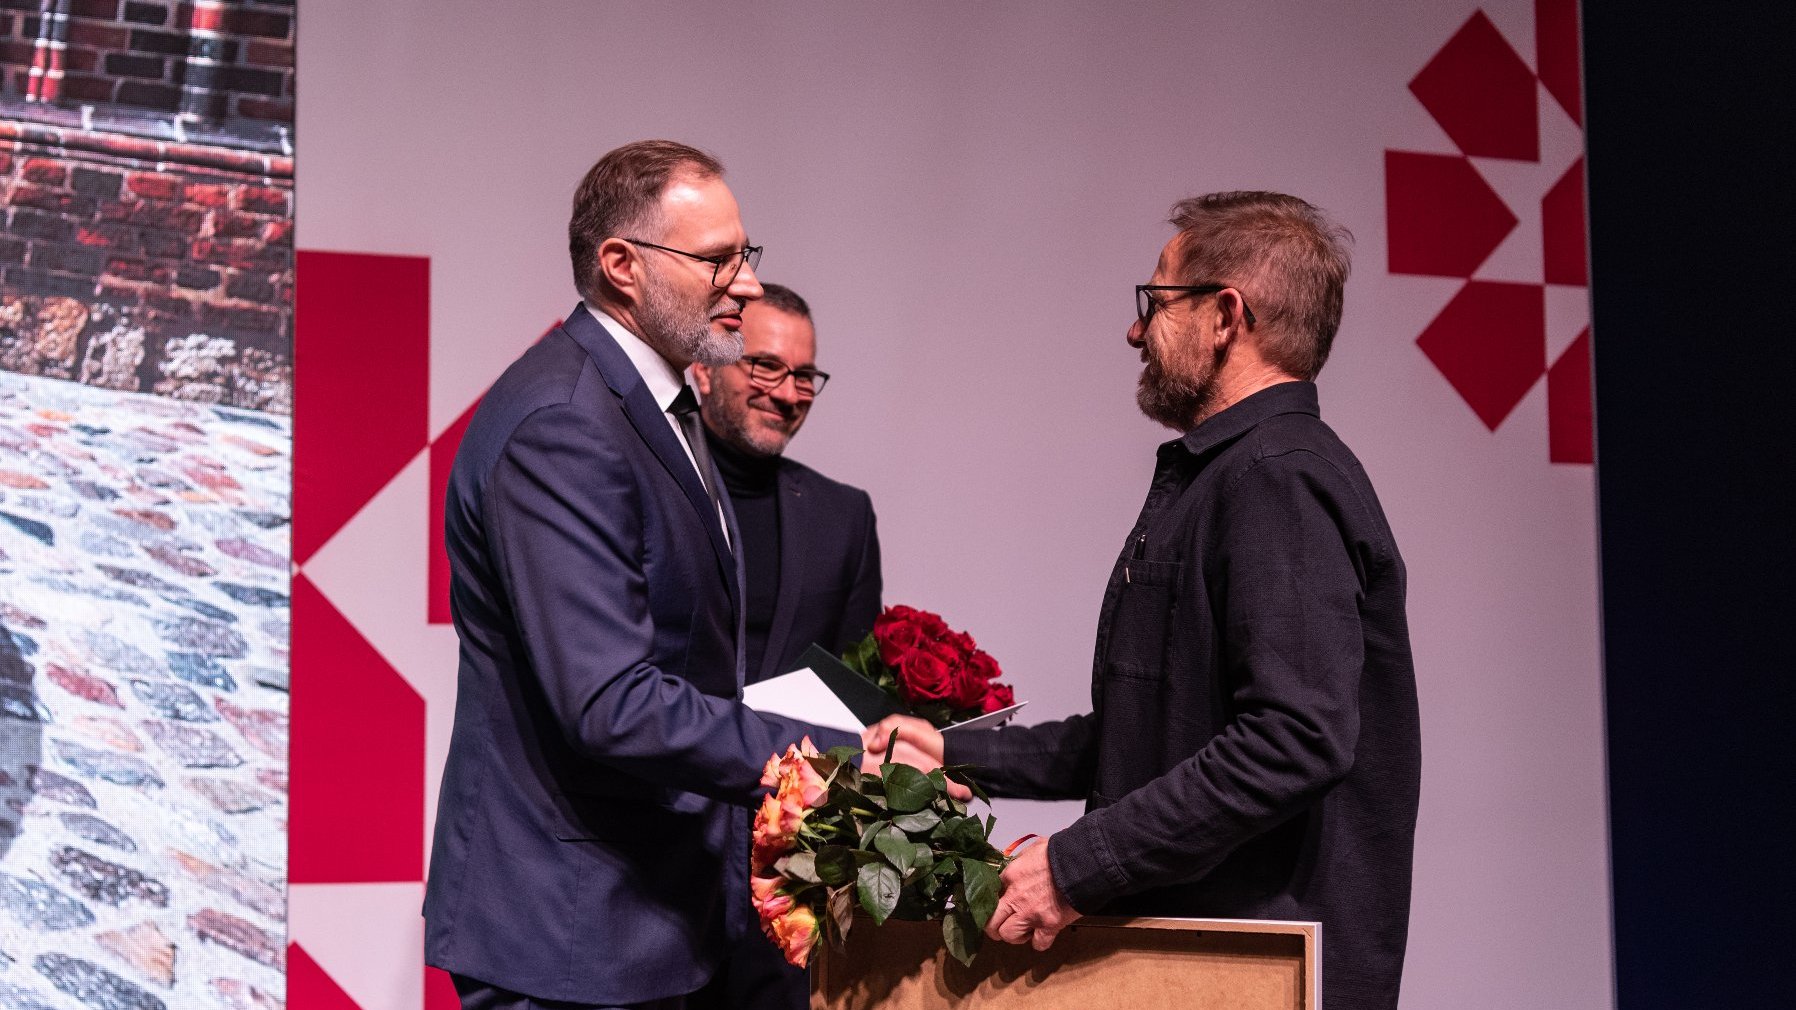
1482,94
1490,343
1441,217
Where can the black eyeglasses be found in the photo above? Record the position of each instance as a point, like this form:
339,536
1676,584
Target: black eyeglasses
1146,304
770,372
724,268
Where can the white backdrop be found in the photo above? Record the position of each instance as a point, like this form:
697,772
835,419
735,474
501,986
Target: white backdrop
966,194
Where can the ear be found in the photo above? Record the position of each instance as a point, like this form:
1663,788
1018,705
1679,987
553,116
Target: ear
701,377
617,266
1231,315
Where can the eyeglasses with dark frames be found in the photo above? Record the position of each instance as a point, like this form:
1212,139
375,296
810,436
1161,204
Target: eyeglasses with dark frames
724,268
768,373
1146,304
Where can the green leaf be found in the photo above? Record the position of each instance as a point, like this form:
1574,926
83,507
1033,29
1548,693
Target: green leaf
907,789
897,849
872,828
981,885
842,755
922,820
835,865
961,936
922,857
800,866
878,886
960,774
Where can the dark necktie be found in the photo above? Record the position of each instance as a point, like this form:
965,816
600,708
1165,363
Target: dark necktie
684,408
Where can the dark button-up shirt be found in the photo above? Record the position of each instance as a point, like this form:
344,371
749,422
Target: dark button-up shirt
1253,749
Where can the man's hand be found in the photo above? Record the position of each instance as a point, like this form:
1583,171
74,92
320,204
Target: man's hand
1032,908
919,745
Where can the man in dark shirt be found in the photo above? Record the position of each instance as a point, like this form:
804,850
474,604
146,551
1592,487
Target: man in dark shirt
1253,749
809,545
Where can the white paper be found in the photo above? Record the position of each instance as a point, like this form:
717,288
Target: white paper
988,719
801,695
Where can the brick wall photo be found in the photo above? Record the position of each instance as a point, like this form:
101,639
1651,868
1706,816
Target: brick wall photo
219,59
125,268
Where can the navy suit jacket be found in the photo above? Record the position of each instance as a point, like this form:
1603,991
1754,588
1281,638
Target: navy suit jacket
829,568
589,845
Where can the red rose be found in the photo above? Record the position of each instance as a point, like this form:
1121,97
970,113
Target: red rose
973,677
898,635
923,677
962,642
999,696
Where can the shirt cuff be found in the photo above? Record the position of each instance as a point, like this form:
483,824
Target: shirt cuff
1085,869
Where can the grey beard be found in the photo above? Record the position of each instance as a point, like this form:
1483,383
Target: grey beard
687,336
1174,403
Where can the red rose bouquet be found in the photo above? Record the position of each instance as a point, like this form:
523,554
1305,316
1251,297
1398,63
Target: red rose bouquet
938,673
830,838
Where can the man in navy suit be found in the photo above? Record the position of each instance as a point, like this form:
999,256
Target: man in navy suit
590,849
810,546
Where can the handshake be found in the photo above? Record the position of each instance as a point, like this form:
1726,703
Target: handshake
1031,909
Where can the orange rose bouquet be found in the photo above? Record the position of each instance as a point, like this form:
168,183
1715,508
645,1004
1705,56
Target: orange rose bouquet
830,838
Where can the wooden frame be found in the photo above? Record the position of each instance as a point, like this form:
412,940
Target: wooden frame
1140,963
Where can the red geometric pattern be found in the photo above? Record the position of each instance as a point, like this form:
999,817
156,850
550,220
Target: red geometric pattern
361,384
1444,220
357,755
1422,239
1556,54
1491,344
1482,94
1562,229
311,987
442,460
1571,419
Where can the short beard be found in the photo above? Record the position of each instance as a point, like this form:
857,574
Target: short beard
731,424
671,327
1174,401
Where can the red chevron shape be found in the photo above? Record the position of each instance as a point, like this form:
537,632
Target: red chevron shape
357,755
361,384
1441,218
1482,94
1490,343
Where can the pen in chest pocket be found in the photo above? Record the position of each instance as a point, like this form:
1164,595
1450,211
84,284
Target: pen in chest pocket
1139,553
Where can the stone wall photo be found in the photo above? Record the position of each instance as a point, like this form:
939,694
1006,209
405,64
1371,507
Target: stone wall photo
146,390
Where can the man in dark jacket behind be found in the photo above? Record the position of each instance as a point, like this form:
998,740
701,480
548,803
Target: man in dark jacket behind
1253,749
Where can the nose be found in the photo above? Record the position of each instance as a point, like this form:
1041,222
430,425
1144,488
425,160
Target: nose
786,392
1137,335
746,286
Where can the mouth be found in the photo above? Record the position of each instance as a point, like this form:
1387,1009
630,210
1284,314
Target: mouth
730,318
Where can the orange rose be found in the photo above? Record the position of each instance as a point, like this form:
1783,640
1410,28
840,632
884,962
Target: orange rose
770,901
791,774
796,934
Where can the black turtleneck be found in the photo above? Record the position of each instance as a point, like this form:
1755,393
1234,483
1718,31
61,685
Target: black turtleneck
753,483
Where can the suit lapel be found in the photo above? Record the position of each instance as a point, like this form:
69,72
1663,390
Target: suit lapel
792,504
652,426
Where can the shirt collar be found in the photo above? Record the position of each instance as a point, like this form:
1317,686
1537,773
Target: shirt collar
1281,398
663,380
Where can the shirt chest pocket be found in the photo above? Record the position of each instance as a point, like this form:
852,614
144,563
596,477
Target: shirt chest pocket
1144,615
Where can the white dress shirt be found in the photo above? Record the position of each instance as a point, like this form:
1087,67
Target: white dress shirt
664,383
